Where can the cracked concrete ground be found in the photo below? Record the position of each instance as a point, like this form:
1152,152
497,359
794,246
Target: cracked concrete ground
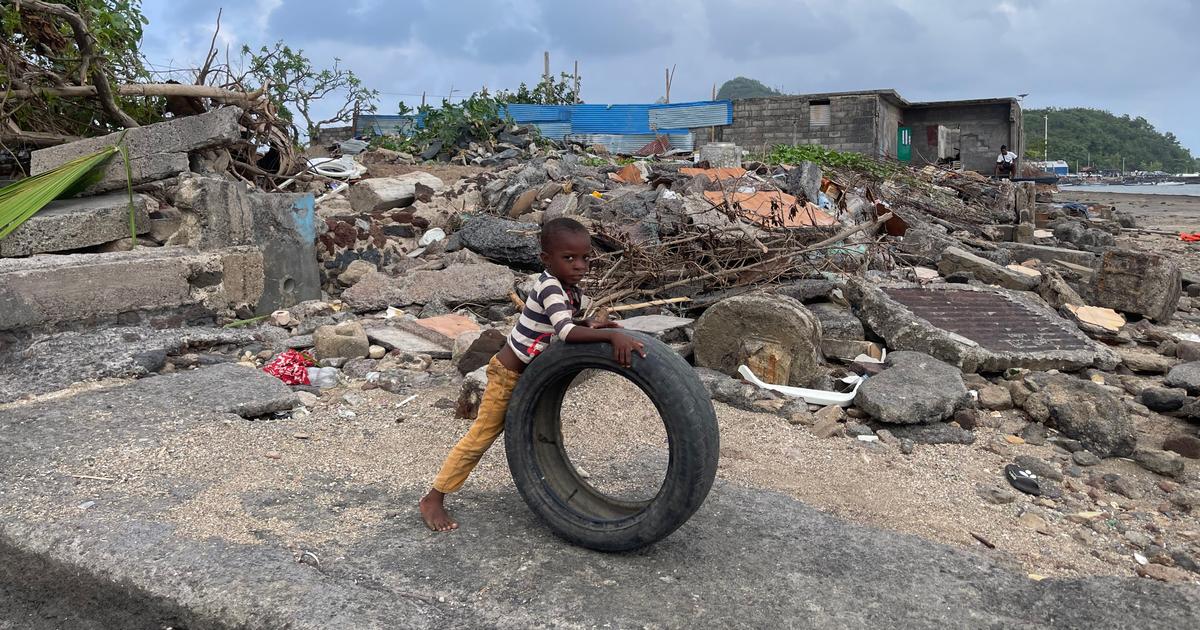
154,506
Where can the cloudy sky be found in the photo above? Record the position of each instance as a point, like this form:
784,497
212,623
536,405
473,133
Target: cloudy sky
1136,58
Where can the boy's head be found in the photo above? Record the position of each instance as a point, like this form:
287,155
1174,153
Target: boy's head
566,249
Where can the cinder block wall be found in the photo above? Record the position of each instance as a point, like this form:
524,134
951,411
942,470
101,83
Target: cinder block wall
761,123
983,128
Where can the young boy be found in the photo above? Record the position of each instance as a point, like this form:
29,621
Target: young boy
550,311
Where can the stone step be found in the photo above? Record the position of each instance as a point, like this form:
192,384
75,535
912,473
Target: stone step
51,290
69,224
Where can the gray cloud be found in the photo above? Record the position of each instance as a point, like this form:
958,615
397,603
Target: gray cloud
1135,58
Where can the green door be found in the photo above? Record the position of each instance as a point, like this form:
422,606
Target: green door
904,144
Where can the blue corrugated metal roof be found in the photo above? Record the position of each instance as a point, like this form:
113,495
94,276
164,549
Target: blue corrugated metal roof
526,113
629,143
553,130
610,119
691,115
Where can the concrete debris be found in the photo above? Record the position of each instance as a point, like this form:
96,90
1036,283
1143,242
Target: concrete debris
1186,376
1137,282
1081,410
386,193
346,340
914,389
956,260
775,336
457,284
72,224
503,241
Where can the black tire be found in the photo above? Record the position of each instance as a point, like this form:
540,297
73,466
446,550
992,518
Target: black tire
571,506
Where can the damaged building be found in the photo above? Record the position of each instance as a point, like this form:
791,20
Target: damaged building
882,123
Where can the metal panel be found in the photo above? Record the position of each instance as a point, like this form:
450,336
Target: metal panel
628,144
818,114
553,130
610,119
691,115
384,125
989,319
526,113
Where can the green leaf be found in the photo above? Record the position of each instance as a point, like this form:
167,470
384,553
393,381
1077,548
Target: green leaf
24,198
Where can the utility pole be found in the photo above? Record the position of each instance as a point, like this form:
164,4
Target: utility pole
576,100
546,66
670,76
1046,137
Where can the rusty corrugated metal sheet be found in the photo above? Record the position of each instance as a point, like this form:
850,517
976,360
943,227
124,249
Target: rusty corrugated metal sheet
989,319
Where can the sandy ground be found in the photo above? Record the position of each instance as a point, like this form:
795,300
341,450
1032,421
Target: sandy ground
360,460
1173,213
1179,213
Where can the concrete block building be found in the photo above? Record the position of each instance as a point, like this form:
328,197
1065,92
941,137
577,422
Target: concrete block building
883,124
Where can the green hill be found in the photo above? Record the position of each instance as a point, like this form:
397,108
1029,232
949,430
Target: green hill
741,87
1077,133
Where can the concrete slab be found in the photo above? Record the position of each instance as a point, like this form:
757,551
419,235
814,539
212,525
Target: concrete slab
1024,251
54,362
665,327
394,338
48,290
70,224
748,558
974,328
156,151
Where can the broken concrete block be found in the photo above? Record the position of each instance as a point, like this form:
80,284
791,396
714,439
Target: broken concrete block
915,389
1146,362
384,193
395,338
837,322
44,291
665,328
284,231
1023,251
165,221
975,328
1081,410
848,349
776,336
1095,320
956,260
449,326
70,224
805,179
457,284
722,155
156,151
564,205
1137,282
223,209
1057,293
346,340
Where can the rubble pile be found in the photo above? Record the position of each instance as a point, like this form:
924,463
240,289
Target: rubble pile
893,308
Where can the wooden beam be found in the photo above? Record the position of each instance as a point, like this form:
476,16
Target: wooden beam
146,89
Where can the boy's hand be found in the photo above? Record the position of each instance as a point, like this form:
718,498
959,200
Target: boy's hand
624,347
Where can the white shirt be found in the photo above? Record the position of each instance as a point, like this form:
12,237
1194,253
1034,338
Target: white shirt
1007,158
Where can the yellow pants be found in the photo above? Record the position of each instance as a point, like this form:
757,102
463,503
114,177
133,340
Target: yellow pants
488,425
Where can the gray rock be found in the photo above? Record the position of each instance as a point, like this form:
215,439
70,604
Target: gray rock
505,241
1186,376
1187,498
837,322
665,328
807,290
347,340
1163,398
995,398
1123,486
995,496
1081,410
1085,458
1161,462
805,179
385,193
1186,445
1188,351
477,349
730,391
454,285
916,389
1039,467
957,260
855,429
355,271
631,212
937,433
764,332
1137,282
1034,434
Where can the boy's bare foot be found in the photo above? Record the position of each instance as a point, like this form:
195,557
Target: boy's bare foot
434,512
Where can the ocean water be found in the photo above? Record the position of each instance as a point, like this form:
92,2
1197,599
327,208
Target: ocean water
1191,190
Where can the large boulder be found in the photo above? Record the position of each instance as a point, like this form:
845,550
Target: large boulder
774,335
384,193
1137,282
915,389
1186,376
505,241
1081,410
457,284
345,340
956,259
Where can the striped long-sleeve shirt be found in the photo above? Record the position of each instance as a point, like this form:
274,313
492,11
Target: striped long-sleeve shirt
550,310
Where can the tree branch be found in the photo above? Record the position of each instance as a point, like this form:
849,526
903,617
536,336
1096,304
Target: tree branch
87,49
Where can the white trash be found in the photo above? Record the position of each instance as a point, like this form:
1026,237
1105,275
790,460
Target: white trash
323,377
431,236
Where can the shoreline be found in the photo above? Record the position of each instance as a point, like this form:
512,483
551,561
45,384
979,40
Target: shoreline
1152,210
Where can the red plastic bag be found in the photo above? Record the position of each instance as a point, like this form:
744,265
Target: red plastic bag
1194,237
291,367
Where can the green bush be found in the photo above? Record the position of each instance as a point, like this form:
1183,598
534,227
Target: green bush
828,158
